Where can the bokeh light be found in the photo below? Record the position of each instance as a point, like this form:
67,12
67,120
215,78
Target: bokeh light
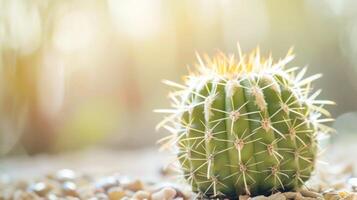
78,74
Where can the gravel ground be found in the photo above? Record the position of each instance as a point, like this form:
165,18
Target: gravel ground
142,177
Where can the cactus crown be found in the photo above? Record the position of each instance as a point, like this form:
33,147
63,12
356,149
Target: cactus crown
245,126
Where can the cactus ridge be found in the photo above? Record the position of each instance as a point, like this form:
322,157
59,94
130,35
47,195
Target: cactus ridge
245,126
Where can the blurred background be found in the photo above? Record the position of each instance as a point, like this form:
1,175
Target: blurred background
81,73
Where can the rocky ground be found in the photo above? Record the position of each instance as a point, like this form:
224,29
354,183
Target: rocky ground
94,175
71,185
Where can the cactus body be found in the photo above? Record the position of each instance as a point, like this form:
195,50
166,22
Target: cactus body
246,126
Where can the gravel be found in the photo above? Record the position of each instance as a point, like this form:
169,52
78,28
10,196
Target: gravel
71,185
335,181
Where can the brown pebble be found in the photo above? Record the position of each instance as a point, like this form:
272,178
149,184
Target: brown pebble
331,196
277,196
22,195
243,197
179,193
135,185
308,193
351,197
299,196
116,193
167,193
290,195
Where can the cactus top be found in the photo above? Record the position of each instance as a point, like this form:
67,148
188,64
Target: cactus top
245,126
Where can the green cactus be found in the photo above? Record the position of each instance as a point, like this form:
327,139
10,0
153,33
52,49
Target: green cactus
245,126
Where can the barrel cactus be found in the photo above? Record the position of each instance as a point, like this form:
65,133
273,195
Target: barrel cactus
246,125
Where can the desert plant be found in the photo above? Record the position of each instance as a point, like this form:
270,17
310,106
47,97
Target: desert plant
246,126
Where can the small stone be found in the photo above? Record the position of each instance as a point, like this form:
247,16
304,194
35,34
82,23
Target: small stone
70,198
277,196
299,196
86,192
21,195
107,183
51,196
167,193
331,196
141,195
116,193
343,194
69,189
351,197
290,195
261,197
308,193
135,185
243,197
179,193
65,175
40,188
101,196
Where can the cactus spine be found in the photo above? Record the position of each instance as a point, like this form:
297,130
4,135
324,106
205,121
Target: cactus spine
245,126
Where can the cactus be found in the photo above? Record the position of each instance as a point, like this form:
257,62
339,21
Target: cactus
245,126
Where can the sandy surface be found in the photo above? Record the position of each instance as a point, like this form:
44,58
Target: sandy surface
143,163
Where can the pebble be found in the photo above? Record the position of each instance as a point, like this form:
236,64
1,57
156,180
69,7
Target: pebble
134,185
261,197
69,189
308,193
22,195
351,197
67,185
86,192
107,183
331,196
115,193
65,175
101,196
290,195
141,195
243,197
179,193
277,196
167,193
40,188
